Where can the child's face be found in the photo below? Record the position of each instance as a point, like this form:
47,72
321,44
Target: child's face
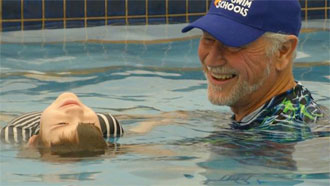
59,121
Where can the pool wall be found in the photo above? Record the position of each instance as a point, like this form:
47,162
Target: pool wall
52,14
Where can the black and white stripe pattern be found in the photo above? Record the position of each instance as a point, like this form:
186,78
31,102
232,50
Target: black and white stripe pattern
109,125
20,129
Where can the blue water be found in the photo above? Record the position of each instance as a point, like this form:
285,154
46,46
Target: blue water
144,81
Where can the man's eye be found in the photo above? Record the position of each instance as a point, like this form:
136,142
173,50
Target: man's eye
234,49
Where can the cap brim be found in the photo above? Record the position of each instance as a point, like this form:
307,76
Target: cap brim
227,31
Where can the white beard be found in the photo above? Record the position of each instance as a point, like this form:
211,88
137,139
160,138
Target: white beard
241,89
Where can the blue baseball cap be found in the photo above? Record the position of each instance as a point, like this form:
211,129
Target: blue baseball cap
238,22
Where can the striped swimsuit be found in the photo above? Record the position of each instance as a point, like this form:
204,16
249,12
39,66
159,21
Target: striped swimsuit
20,129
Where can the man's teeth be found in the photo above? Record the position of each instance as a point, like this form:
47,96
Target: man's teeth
221,74
223,77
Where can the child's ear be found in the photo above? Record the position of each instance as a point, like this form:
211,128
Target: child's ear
33,141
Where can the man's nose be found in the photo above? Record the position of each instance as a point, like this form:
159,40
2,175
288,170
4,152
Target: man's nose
216,55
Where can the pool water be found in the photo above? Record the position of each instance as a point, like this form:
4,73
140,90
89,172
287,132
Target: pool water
152,82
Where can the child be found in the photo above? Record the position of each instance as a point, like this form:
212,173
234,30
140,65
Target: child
66,126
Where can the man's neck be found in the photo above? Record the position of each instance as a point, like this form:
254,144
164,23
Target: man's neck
259,98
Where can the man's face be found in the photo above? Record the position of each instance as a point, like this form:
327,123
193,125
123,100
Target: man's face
59,121
234,73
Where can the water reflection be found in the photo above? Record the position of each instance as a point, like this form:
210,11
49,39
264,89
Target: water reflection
261,157
81,176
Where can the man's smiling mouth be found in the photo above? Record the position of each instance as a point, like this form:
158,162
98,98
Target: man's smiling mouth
222,77
220,74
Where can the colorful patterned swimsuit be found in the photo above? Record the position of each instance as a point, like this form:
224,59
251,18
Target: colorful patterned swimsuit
289,112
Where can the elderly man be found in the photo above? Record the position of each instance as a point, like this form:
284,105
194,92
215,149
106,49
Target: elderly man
247,51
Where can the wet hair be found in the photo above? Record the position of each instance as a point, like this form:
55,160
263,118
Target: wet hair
87,141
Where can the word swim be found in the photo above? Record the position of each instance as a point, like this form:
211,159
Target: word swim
238,6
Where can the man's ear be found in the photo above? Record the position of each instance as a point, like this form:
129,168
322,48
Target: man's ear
33,141
285,54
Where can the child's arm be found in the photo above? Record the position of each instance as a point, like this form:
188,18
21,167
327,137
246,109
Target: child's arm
20,129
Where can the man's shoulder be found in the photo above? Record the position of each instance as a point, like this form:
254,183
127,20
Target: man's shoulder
293,106
298,105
